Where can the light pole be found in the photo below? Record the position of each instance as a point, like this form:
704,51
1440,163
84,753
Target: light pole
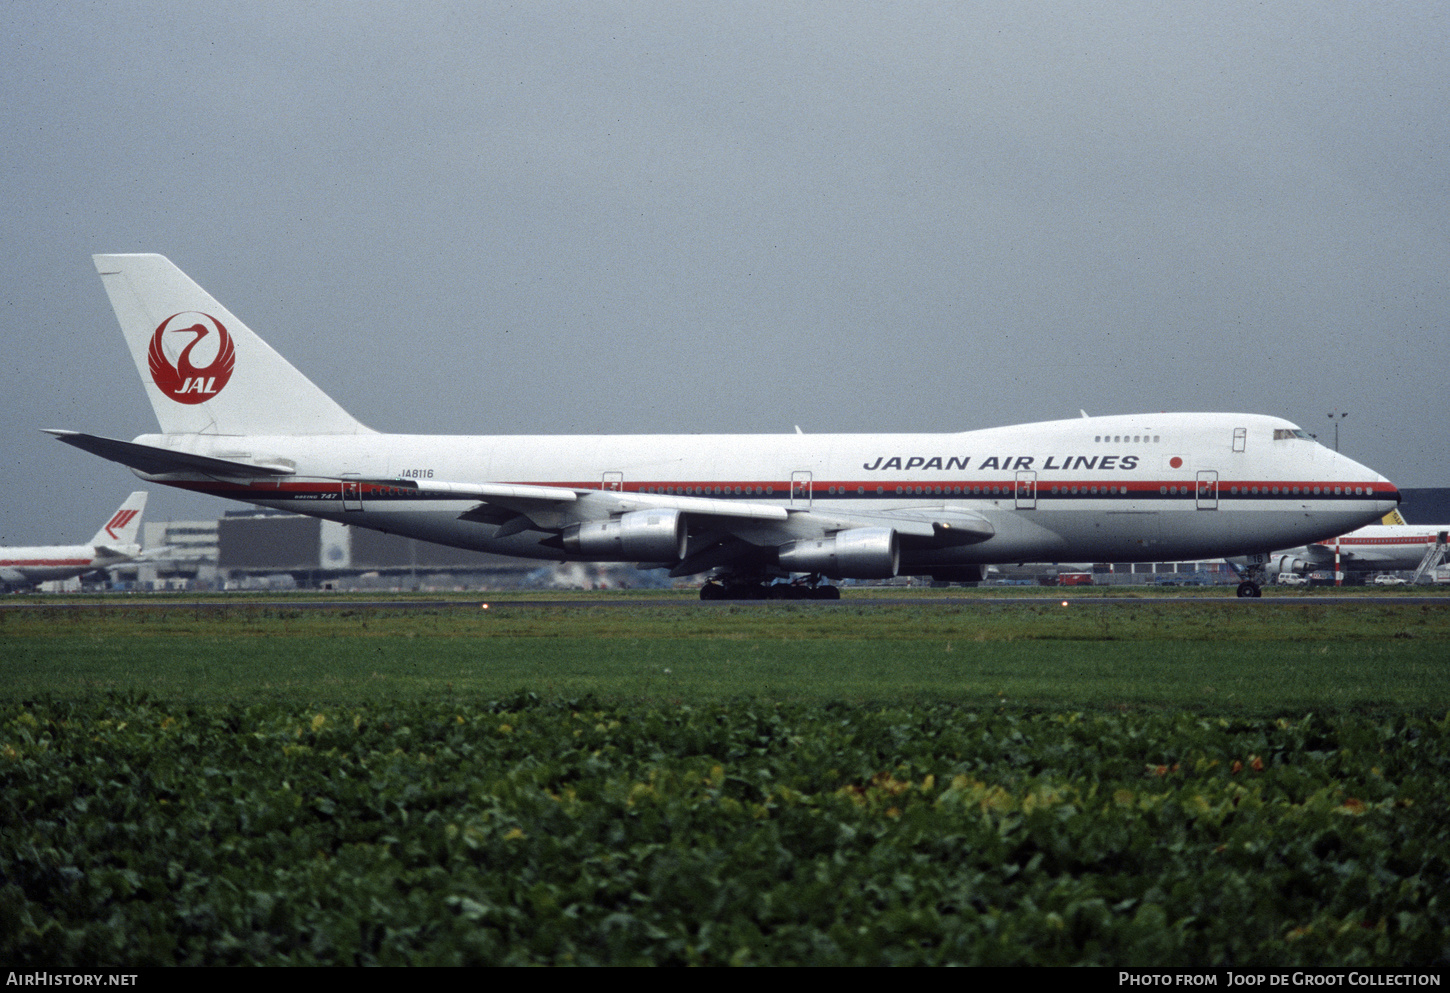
1337,418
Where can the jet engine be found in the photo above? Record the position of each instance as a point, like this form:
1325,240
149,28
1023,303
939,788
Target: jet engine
860,553
638,536
1288,563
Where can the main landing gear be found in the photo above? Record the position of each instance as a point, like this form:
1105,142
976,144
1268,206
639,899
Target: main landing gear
1253,584
737,587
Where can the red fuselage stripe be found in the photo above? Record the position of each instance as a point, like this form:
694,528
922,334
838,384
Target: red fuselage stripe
45,562
824,488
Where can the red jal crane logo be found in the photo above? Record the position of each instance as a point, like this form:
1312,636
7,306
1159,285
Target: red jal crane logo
183,381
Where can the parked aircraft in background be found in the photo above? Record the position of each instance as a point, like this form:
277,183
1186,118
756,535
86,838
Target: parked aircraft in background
115,543
238,421
1391,546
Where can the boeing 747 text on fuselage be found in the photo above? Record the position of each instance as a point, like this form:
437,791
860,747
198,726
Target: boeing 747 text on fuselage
240,422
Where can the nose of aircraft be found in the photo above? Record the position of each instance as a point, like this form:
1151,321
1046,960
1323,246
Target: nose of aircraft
1386,493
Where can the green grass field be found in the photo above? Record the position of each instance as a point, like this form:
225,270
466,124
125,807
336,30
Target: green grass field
1217,655
1005,781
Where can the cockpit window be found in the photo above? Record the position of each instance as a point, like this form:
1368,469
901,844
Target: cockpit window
1282,434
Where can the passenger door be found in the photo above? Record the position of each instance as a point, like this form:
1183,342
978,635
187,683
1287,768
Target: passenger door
1026,490
1207,490
800,489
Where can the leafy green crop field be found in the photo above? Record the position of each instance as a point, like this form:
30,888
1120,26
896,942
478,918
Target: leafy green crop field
862,783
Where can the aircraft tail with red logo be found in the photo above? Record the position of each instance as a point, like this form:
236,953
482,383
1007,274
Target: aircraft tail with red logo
205,371
124,525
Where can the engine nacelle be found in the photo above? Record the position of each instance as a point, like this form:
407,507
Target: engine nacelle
861,553
1287,563
638,536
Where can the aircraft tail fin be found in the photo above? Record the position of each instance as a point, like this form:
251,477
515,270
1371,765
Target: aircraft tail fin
1393,517
206,372
125,523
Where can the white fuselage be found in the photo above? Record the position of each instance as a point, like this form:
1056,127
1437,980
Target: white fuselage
1121,488
1381,546
40,563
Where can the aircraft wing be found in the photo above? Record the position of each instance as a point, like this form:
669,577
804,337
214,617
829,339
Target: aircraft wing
155,461
1361,555
716,528
581,504
551,508
518,507
946,525
110,553
554,507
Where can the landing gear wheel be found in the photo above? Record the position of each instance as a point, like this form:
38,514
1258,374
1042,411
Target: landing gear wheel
1247,589
743,588
734,591
807,589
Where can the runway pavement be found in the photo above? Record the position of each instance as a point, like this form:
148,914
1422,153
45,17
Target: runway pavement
145,602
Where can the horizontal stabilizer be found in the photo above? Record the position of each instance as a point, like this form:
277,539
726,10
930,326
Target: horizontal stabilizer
155,461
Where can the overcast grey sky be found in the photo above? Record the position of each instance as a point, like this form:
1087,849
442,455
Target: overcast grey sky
484,218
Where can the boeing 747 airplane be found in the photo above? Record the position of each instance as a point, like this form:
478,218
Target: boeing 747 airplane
240,422
115,543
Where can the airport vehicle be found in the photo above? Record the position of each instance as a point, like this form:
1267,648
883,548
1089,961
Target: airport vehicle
240,422
1388,580
115,543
